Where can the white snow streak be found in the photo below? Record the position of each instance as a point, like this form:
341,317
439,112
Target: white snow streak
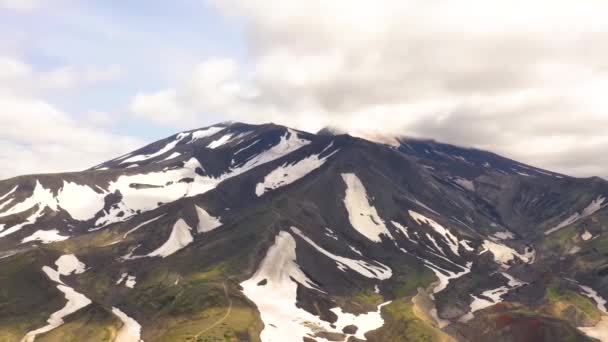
66,265
165,149
80,201
364,268
591,293
591,209
130,330
289,173
276,299
448,237
362,215
504,254
219,142
180,237
206,222
141,225
204,133
45,236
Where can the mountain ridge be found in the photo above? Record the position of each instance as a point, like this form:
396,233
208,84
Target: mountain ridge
313,237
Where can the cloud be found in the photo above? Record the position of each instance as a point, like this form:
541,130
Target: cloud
23,77
37,137
19,5
68,77
520,78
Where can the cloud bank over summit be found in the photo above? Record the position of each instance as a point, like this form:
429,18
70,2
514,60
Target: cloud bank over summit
521,78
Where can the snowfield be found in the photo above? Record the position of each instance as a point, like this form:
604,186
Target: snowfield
206,222
451,240
130,330
273,288
362,215
66,265
591,209
504,254
289,173
45,236
180,237
378,271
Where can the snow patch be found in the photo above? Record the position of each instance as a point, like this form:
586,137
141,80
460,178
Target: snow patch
362,215
504,254
273,288
45,236
206,222
591,293
219,142
172,156
451,240
599,331
586,236
130,330
506,235
66,265
289,173
465,183
591,209
141,225
288,143
171,145
204,133
80,201
180,237
365,269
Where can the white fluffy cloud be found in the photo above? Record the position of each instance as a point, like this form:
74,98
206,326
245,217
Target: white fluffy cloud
37,137
521,78
19,5
17,74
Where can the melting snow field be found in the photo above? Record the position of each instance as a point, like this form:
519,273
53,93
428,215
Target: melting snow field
494,296
288,143
366,269
591,209
130,330
289,173
165,149
66,265
180,237
362,215
273,288
600,331
80,201
45,236
141,225
591,293
140,192
504,254
129,280
206,222
451,240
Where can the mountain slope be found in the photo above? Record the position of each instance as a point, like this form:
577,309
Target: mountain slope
243,232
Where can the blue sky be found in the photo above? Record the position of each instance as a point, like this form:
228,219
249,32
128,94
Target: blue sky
124,34
84,81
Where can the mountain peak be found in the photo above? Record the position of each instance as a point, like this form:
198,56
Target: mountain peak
307,236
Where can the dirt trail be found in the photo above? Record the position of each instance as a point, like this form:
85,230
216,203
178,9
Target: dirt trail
221,320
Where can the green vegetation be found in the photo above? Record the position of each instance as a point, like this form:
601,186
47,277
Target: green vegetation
402,324
92,323
27,297
408,284
561,297
369,297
